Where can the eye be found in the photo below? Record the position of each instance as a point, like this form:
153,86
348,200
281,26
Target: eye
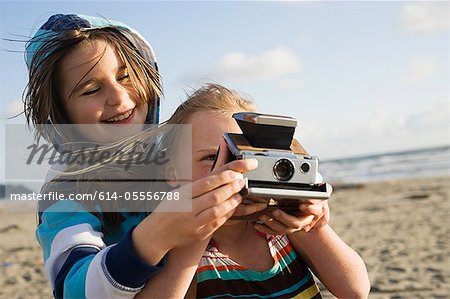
89,92
209,157
124,77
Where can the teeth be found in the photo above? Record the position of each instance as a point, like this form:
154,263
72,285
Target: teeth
120,117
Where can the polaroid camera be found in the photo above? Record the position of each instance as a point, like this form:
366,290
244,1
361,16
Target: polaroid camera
285,173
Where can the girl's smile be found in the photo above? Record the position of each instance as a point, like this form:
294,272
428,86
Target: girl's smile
96,87
121,118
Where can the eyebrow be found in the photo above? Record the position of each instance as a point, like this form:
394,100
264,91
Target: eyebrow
81,86
208,151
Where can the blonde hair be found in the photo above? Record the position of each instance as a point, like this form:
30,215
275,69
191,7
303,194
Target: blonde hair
211,97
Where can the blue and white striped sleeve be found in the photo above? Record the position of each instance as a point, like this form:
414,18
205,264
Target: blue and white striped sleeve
80,265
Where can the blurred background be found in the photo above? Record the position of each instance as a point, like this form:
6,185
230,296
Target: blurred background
367,80
363,78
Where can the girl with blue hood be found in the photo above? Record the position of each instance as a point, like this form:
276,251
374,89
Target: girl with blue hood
89,70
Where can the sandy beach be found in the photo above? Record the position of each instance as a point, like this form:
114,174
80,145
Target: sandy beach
399,227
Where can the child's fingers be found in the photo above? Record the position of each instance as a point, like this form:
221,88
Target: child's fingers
293,222
244,165
217,196
211,182
213,217
247,209
264,229
324,220
208,230
278,227
311,208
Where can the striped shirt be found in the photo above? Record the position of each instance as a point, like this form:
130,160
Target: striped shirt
218,276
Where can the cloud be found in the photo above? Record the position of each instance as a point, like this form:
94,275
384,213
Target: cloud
421,69
433,119
423,18
386,130
273,63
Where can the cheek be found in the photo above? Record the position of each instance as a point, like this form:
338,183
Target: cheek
200,171
141,113
84,112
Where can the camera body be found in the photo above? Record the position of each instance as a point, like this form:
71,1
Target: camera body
285,172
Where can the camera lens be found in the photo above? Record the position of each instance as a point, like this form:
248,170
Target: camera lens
283,169
305,167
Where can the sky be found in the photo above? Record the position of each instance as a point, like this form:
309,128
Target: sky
361,77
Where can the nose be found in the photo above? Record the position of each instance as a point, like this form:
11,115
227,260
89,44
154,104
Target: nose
117,94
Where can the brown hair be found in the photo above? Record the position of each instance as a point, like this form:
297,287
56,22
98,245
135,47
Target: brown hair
211,97
41,97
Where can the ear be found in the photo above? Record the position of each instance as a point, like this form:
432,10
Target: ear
171,176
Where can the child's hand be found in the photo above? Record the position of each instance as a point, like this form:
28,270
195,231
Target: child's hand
237,165
314,215
321,212
214,199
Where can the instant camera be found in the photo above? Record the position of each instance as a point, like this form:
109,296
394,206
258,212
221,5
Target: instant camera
286,174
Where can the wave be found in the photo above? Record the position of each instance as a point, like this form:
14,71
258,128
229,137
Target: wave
394,165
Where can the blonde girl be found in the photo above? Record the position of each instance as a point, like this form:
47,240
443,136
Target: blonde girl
257,260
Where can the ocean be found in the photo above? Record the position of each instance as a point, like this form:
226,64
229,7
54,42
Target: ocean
395,165
387,166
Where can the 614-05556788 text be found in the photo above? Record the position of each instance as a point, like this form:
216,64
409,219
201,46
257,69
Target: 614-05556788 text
97,195
139,195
